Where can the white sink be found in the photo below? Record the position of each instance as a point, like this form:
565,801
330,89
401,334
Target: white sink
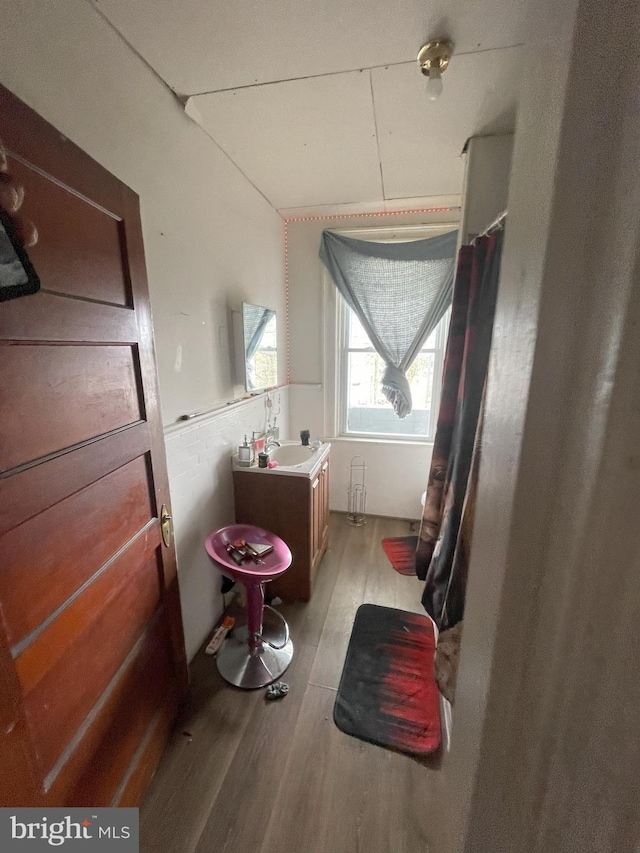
290,454
293,458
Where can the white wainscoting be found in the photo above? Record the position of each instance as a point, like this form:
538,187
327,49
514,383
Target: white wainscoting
199,462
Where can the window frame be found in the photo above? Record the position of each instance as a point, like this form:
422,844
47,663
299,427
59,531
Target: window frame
333,387
343,313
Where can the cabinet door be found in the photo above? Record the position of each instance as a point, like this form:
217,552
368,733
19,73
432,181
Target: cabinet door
316,516
325,501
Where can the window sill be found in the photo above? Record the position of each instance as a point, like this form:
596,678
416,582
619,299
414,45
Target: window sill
354,439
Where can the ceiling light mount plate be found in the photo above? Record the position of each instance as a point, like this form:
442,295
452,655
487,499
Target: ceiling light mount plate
435,53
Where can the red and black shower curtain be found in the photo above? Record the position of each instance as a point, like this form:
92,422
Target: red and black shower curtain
443,546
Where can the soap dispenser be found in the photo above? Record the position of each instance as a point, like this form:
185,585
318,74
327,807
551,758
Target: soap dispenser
244,454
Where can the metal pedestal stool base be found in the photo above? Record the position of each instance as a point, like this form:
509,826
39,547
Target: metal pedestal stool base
250,668
258,653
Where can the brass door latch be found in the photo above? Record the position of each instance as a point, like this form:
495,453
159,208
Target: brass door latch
166,525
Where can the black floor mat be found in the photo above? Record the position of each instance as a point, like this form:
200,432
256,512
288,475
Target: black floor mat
388,694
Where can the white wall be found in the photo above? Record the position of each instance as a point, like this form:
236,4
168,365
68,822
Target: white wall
397,471
211,240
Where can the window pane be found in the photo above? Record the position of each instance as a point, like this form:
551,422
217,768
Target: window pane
358,338
432,340
368,410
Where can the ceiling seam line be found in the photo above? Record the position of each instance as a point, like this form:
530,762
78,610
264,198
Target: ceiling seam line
395,198
233,163
133,50
177,98
359,69
375,126
372,214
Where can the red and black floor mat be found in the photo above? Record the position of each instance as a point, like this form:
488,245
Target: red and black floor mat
388,694
401,551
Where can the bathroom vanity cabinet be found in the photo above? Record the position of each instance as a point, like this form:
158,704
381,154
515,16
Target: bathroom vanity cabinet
295,508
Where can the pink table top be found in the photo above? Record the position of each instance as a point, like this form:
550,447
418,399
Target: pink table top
275,563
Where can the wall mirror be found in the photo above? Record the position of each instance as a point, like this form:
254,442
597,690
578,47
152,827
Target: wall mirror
260,347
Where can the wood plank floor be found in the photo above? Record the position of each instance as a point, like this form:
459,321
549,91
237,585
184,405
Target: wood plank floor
263,777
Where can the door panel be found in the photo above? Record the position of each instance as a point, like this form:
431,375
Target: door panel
20,318
53,397
63,218
68,543
69,665
91,645
325,501
131,789
316,509
91,760
32,490
141,691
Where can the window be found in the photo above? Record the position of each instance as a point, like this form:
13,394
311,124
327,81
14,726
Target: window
364,410
354,404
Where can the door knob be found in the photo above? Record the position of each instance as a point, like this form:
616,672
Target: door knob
166,525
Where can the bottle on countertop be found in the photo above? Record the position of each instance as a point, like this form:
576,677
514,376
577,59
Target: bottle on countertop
258,442
244,454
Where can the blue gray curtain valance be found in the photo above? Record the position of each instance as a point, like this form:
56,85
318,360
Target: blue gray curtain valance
399,292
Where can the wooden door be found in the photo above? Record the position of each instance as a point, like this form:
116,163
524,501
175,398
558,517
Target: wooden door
92,655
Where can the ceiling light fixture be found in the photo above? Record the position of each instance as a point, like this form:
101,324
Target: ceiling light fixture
433,59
